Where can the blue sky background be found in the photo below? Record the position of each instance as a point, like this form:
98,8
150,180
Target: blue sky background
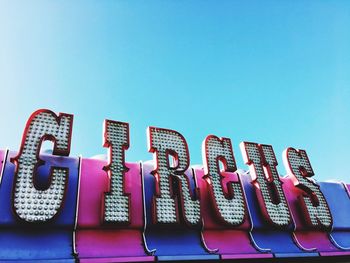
274,72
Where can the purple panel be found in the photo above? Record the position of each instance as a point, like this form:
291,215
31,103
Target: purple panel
338,200
93,183
110,244
246,256
337,197
308,238
332,254
266,236
96,242
171,242
30,241
2,157
123,259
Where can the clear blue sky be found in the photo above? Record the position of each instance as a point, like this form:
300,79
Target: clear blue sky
274,72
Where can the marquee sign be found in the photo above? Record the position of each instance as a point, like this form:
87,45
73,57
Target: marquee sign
63,208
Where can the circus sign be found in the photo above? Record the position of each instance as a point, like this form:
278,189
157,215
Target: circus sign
66,208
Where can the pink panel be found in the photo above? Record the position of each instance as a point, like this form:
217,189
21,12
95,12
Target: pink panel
93,183
307,238
316,239
292,194
124,259
247,256
134,187
330,254
109,243
106,243
232,242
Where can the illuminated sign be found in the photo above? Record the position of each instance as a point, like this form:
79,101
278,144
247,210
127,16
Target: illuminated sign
63,208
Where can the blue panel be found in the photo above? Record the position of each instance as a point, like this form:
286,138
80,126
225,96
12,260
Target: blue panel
149,186
180,241
296,255
33,244
252,203
173,242
339,203
280,243
187,257
266,236
52,240
342,238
